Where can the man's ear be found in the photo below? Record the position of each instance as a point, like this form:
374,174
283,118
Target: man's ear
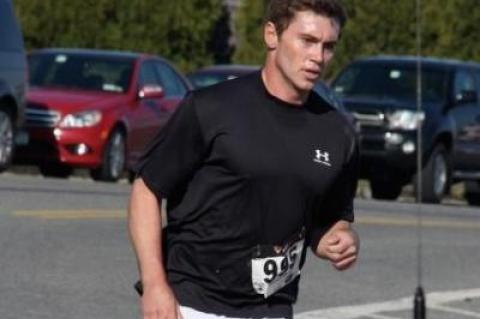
270,36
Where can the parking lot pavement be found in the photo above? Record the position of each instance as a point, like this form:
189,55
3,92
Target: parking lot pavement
65,254
440,305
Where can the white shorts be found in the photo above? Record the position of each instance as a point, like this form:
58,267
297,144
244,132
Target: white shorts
190,313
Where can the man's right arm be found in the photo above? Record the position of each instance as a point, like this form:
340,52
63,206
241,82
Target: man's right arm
145,228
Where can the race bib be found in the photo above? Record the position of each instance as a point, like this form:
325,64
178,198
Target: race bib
274,267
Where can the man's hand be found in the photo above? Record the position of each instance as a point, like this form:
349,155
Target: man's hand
158,302
340,245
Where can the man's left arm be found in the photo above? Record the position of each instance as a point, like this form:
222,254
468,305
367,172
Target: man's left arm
333,237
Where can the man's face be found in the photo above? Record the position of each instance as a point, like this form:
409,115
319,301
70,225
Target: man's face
304,49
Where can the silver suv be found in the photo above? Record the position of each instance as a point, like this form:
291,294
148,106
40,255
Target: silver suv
13,77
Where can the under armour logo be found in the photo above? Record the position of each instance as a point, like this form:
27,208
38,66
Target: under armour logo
322,158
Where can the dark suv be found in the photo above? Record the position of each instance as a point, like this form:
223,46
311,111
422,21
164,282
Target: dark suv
381,93
12,81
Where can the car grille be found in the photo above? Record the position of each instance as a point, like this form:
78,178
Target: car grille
372,145
369,117
41,117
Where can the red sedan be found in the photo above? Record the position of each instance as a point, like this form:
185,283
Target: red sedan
96,109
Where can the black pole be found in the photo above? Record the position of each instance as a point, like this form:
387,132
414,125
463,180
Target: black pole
419,309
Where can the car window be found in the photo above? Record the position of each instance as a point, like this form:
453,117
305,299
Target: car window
171,82
80,71
148,75
390,81
464,81
10,34
203,79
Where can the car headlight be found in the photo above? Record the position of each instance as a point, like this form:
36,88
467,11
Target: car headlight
82,119
405,119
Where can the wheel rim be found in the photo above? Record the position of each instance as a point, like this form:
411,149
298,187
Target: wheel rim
117,155
440,175
6,139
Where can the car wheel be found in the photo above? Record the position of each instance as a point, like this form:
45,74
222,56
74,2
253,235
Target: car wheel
435,176
472,193
55,170
385,189
6,140
113,161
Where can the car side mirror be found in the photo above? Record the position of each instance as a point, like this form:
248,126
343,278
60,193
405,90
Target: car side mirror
150,91
466,97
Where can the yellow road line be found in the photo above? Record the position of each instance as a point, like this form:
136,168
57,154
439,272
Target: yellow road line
80,214
409,222
72,214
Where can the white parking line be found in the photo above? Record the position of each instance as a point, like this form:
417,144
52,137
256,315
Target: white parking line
434,300
381,317
462,312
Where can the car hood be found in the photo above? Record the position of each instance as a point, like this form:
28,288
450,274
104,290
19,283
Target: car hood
72,101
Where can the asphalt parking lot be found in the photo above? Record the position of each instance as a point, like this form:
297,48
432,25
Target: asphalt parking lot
65,254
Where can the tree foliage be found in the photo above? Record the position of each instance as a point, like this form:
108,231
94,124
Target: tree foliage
250,48
449,29
178,30
376,27
188,31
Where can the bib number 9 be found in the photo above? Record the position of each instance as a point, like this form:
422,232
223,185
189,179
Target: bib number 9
272,270
270,274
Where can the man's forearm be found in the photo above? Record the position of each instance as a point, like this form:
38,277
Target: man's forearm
145,227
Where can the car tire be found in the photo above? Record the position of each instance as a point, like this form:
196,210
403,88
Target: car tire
113,159
472,193
435,176
7,144
385,189
55,170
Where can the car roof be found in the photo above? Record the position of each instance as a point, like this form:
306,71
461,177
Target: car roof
92,52
411,59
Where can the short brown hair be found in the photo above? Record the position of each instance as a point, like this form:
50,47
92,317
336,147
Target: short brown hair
281,12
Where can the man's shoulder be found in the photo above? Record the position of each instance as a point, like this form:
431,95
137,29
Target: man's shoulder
226,102
227,91
334,113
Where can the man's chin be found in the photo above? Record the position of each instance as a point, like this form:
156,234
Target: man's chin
307,85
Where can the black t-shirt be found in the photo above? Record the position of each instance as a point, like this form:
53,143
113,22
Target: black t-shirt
241,168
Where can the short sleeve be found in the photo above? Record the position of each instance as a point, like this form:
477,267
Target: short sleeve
172,157
338,203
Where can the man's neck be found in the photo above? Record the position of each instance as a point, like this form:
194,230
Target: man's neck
278,86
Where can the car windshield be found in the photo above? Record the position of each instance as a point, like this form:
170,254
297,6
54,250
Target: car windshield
398,82
200,80
77,71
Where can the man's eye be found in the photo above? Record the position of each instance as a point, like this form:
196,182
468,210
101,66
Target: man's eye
329,46
308,41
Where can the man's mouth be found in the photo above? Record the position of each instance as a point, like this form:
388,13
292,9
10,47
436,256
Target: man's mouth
312,74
